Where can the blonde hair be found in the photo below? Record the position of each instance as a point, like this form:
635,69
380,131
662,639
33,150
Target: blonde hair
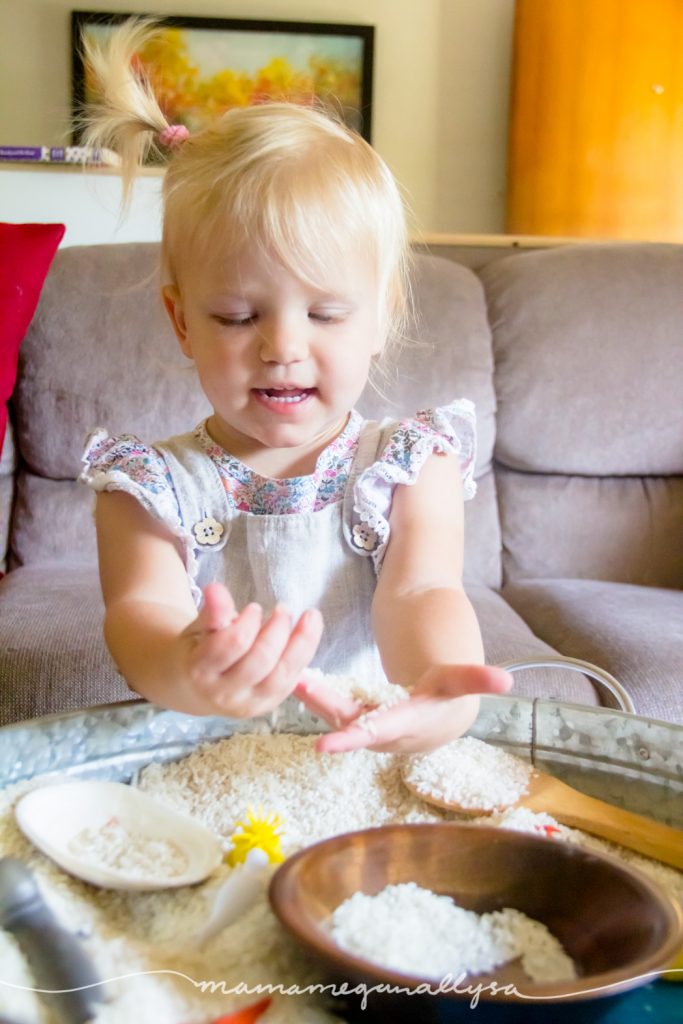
288,178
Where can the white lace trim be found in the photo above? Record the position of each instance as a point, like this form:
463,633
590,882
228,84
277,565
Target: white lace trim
450,430
161,505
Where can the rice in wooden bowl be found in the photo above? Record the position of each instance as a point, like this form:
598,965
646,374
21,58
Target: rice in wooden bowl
619,928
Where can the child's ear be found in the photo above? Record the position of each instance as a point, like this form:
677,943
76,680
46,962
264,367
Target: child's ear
174,308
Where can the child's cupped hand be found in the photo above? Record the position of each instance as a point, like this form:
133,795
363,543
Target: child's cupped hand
240,664
441,707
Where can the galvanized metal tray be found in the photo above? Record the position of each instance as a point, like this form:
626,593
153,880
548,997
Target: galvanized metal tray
630,761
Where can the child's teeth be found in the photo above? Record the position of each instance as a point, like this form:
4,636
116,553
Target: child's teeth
296,396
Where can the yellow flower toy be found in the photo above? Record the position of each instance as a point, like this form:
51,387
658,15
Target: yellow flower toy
259,830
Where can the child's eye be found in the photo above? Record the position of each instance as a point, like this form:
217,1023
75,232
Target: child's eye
326,318
236,321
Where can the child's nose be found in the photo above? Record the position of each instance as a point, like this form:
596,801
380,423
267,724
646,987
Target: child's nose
282,342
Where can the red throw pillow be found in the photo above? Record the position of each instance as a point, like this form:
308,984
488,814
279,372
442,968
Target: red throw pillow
26,252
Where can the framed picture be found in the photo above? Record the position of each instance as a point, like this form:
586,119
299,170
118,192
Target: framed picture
201,67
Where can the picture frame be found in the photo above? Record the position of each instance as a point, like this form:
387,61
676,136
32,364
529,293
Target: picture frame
200,67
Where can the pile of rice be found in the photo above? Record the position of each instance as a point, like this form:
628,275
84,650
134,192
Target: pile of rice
142,942
415,931
473,775
114,846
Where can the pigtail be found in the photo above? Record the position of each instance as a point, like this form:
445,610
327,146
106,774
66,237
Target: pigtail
128,118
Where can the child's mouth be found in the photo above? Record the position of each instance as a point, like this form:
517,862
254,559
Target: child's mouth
284,396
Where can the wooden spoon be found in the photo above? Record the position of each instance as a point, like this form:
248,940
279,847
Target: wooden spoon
571,807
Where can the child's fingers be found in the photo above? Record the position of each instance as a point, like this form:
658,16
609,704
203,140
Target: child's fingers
427,719
420,723
264,653
300,648
387,726
219,650
296,656
235,692
217,611
353,737
250,666
322,699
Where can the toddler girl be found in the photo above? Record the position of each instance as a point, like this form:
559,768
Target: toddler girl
284,531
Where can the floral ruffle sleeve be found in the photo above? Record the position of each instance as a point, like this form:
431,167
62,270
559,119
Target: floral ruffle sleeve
449,429
124,463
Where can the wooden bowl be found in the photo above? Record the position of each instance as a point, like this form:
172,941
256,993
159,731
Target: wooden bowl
619,928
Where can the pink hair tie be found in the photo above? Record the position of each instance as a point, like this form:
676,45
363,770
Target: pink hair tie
173,135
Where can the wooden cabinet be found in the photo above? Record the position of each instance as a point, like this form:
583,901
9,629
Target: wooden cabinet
596,119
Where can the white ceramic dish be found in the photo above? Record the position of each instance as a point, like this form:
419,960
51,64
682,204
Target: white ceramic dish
53,816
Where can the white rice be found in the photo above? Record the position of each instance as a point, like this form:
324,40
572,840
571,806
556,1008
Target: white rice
470,774
375,692
414,931
142,938
134,853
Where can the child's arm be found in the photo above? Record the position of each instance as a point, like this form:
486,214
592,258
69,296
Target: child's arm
217,661
424,624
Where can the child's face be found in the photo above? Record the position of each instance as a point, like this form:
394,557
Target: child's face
281,361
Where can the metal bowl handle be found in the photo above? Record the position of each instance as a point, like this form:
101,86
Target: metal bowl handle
612,693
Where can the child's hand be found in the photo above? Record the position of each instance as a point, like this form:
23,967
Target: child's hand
440,709
236,664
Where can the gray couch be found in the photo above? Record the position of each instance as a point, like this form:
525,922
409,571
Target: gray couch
574,357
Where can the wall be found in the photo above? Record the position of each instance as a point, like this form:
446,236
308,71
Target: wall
88,203
440,101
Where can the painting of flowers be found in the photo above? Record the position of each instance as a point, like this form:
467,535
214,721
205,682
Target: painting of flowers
200,68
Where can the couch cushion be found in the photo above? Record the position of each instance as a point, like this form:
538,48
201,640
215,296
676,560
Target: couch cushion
52,655
625,529
100,352
53,522
635,633
508,638
589,361
448,354
589,378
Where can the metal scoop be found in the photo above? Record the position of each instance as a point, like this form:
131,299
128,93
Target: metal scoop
64,976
